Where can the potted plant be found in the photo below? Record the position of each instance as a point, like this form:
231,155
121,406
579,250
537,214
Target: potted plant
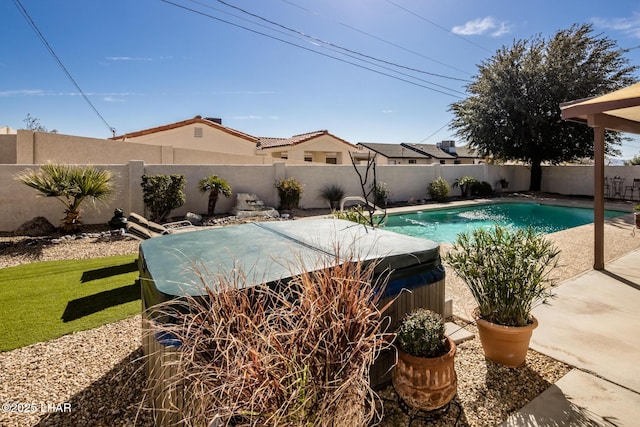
424,376
508,273
332,193
636,215
504,184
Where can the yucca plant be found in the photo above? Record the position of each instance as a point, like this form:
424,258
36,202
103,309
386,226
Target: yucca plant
72,185
215,186
332,193
298,355
507,271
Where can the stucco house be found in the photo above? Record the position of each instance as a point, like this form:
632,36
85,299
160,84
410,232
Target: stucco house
198,133
444,152
318,147
391,154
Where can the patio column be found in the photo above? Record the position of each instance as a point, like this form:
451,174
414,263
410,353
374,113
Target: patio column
598,196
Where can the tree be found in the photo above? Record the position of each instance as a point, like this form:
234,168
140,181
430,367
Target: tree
633,162
72,185
215,186
513,111
33,124
163,193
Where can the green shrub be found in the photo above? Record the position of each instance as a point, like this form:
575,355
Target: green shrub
439,190
380,194
354,214
465,183
421,334
162,194
290,192
507,271
481,189
332,193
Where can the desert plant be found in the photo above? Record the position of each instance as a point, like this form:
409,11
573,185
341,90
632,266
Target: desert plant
215,186
507,271
332,193
465,184
421,334
380,194
354,214
163,193
71,185
439,190
292,356
289,192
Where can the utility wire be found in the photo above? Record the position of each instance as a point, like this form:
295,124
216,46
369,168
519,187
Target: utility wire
303,47
437,25
336,45
33,25
443,126
378,38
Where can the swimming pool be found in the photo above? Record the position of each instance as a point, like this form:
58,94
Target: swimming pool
442,225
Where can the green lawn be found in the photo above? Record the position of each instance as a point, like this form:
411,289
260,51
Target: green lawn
45,300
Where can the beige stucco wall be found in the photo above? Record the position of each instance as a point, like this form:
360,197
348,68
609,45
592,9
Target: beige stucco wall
212,140
8,149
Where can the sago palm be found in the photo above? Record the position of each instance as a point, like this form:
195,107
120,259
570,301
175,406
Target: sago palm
215,186
71,185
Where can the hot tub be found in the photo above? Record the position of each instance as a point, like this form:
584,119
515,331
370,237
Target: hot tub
267,250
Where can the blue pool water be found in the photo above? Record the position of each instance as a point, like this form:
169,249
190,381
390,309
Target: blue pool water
442,225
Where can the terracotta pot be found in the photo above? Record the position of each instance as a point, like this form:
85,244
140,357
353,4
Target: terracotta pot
426,383
506,345
637,217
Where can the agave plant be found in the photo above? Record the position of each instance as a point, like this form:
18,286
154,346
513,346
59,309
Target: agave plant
72,185
215,186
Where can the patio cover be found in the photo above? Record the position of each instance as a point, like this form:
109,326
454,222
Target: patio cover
620,111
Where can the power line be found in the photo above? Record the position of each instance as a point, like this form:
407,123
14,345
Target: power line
305,48
33,25
336,45
379,38
437,25
443,126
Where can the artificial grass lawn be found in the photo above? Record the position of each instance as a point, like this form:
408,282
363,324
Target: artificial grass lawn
45,300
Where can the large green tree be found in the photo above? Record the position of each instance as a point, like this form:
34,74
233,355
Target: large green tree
513,111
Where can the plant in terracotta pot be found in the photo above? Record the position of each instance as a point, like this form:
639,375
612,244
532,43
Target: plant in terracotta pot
508,271
424,376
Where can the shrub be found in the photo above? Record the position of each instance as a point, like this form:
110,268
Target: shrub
465,184
481,189
72,185
332,193
296,356
439,190
215,186
355,214
380,194
421,334
163,193
289,192
507,271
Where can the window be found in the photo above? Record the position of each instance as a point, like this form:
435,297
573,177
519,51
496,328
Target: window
457,162
332,161
443,162
412,161
197,132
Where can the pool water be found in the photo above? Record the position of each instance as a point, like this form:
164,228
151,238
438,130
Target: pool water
442,225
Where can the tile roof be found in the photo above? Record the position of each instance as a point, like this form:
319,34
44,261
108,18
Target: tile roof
429,150
268,142
195,120
393,150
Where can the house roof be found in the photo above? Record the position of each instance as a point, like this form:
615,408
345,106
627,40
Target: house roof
469,153
268,142
195,120
429,150
393,151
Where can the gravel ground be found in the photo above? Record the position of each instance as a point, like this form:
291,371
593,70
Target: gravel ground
98,372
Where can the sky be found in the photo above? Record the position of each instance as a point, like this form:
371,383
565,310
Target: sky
382,71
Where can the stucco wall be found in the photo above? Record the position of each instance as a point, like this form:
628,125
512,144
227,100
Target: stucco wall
8,149
19,203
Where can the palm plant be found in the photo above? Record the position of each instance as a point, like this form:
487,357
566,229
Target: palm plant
72,185
215,186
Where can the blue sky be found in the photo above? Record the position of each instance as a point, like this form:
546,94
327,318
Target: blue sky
146,63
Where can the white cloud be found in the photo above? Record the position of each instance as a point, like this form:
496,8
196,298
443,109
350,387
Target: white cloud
387,111
250,117
22,92
112,99
628,25
482,26
128,58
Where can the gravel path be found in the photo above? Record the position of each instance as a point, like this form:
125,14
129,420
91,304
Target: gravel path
97,373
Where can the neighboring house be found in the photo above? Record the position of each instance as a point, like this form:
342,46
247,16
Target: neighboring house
434,152
390,154
318,147
6,130
464,155
202,134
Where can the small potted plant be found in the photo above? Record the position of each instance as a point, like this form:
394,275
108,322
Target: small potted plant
332,193
424,376
636,215
508,273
